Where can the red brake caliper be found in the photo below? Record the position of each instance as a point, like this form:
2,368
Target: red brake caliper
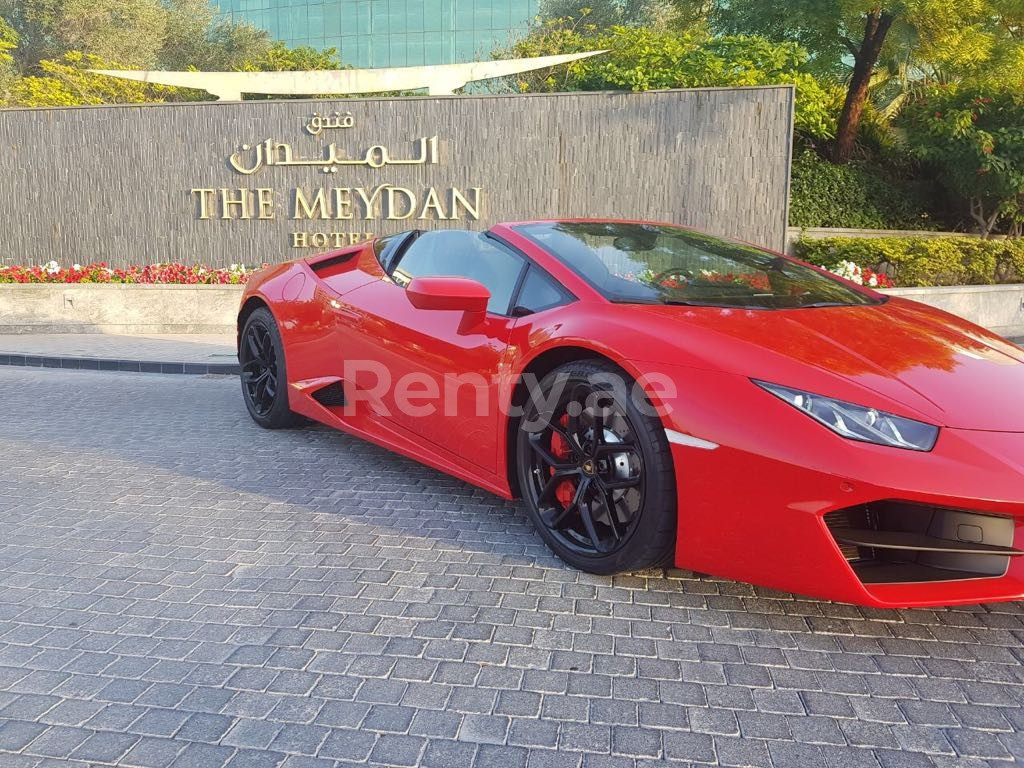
566,490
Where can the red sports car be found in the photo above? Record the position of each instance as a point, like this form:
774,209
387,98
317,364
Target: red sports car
658,396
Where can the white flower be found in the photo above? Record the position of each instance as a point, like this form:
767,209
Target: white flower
873,281
76,267
51,267
850,271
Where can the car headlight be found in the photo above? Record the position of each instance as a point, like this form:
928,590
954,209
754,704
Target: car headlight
857,422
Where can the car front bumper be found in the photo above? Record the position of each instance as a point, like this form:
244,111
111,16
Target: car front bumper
765,495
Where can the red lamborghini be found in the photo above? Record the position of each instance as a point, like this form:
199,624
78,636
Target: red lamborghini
656,395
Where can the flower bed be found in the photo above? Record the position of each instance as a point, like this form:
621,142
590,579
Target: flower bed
920,261
170,273
862,275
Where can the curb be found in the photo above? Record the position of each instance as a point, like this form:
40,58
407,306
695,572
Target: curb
123,366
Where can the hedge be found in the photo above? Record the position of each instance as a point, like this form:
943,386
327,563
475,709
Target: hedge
923,261
823,194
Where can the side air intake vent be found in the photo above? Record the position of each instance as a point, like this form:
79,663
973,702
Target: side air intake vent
332,265
891,542
331,395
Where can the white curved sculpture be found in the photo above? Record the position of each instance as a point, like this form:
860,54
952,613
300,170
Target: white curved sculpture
438,79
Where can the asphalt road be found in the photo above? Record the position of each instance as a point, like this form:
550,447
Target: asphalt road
179,587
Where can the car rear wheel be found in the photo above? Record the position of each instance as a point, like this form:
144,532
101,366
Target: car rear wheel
264,382
596,471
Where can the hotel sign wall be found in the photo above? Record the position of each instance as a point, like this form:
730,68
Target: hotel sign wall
264,181
340,205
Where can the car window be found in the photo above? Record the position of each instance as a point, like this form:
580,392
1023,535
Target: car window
539,292
458,253
386,248
653,263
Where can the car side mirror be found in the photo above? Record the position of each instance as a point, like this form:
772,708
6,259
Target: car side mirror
454,294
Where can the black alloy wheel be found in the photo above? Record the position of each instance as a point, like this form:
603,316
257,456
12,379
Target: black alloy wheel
264,383
596,472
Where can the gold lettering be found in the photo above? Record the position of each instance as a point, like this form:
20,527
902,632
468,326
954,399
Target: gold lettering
265,203
342,203
369,203
299,240
227,203
318,210
318,240
204,196
458,198
410,199
337,239
432,202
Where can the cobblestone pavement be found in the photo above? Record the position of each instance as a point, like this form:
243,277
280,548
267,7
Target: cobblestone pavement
179,588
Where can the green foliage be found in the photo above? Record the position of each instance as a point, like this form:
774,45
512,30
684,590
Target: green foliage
921,261
603,14
197,37
279,58
965,37
973,138
857,196
129,31
641,59
947,39
8,42
65,82
8,73
53,44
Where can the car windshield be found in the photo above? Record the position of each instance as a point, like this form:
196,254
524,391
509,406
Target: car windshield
654,264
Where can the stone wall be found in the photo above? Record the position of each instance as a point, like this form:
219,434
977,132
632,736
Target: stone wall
265,181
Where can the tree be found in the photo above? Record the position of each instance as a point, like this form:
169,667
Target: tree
66,82
198,37
164,34
973,138
280,58
641,59
838,33
39,67
128,31
603,14
8,43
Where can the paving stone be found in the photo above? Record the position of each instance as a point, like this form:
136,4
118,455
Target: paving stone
58,742
153,753
484,729
104,747
186,590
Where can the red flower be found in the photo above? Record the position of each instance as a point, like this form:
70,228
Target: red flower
169,273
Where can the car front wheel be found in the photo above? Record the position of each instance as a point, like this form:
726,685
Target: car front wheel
596,471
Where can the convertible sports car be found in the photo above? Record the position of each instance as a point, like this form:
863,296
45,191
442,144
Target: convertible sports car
658,396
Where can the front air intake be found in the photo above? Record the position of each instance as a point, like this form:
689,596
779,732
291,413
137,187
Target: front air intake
890,542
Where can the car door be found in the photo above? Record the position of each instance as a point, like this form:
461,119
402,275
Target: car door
441,374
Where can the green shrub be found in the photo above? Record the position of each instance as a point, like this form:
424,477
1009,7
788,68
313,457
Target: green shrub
920,261
859,197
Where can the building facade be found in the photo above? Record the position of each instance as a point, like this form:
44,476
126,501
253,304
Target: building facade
391,33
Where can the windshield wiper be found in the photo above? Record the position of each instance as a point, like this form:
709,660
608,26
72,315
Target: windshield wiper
819,304
719,305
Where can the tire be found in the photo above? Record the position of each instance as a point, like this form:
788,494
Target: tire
264,377
567,468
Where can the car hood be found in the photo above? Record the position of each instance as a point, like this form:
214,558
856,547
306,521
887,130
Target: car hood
942,367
